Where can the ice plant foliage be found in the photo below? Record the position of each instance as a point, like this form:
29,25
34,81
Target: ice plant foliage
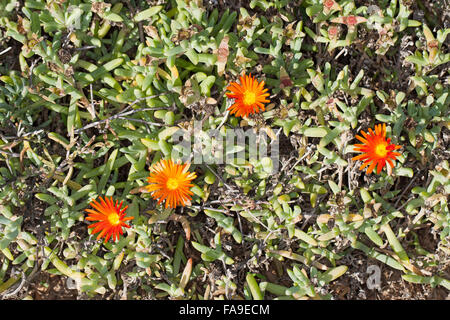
333,32
377,150
350,21
110,216
330,5
171,182
249,96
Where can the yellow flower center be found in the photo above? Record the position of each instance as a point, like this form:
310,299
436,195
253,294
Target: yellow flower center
380,150
172,184
249,97
114,219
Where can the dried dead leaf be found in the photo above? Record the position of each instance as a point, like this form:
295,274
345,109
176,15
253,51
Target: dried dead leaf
222,55
285,80
184,223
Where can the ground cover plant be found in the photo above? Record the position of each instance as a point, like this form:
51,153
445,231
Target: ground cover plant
354,96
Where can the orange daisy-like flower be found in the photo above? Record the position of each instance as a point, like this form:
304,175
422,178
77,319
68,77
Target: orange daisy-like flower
111,218
171,182
249,96
377,150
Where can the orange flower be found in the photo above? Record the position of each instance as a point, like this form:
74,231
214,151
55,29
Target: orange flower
249,97
110,218
171,182
376,149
